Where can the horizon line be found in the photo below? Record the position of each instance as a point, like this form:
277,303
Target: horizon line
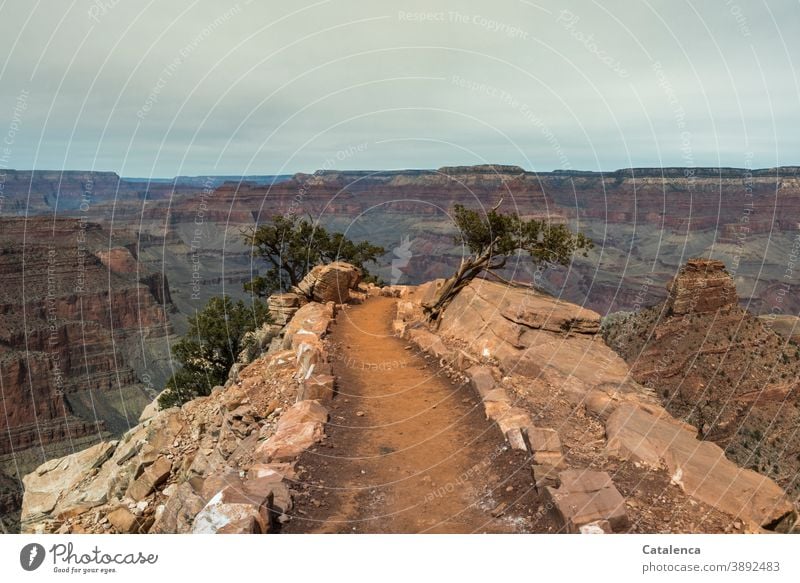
795,168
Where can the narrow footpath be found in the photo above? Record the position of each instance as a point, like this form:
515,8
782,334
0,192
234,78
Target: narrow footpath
408,451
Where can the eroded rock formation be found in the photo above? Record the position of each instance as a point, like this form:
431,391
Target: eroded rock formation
329,283
719,368
548,380
701,286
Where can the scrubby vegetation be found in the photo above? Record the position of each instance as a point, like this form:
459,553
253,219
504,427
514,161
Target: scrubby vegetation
494,237
291,246
206,354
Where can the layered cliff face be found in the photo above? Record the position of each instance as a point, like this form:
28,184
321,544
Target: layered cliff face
644,221
718,367
45,191
71,325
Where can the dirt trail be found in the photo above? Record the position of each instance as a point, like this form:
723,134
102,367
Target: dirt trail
407,451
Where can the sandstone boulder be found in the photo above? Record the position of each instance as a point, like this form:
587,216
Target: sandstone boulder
155,475
179,511
118,260
302,412
312,319
330,283
288,445
55,478
233,511
150,411
481,379
431,343
319,386
124,520
282,307
299,428
586,496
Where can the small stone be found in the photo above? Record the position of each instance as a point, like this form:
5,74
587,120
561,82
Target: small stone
124,520
360,413
596,527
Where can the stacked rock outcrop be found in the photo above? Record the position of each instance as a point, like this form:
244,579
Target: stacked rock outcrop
702,285
330,283
718,367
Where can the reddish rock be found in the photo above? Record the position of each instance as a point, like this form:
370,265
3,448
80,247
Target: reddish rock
233,511
318,386
700,468
330,283
55,480
312,320
586,496
124,520
481,379
702,285
302,412
155,475
288,445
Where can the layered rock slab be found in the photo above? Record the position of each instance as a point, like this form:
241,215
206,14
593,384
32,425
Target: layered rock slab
699,468
586,497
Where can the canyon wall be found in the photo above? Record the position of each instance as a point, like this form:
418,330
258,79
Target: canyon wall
645,222
70,325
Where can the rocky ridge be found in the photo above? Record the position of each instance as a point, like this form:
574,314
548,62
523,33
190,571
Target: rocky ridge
602,449
717,367
557,391
219,464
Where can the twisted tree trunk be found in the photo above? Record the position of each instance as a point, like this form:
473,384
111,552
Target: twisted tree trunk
469,269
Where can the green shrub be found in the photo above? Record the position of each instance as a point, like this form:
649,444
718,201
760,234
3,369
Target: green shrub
292,246
210,348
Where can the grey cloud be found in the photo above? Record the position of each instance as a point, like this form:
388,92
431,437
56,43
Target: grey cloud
536,84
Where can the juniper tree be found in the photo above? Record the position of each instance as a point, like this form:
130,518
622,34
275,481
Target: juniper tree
291,246
492,238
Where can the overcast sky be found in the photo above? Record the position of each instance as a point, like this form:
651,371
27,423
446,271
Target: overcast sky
262,87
